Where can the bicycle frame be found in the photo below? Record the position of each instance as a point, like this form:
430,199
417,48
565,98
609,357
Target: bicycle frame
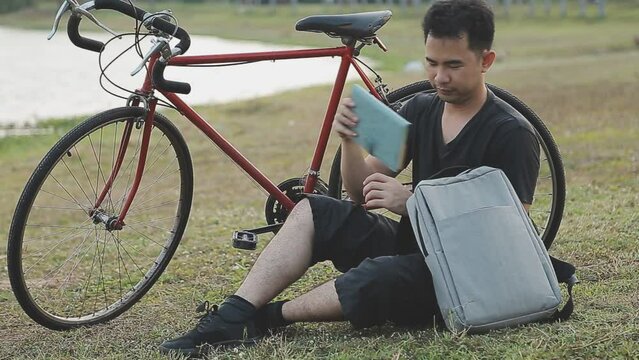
347,60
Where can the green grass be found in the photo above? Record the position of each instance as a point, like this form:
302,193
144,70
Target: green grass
584,87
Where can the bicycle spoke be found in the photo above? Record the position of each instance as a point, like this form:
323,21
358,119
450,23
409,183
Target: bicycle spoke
56,270
98,157
160,177
75,269
76,264
57,226
128,169
153,220
67,200
121,244
133,261
58,208
126,270
117,247
149,165
109,194
149,224
51,250
146,237
163,204
55,234
86,287
101,260
136,205
65,190
165,190
76,181
143,191
86,173
158,156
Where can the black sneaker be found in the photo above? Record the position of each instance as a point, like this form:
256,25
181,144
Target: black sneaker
229,325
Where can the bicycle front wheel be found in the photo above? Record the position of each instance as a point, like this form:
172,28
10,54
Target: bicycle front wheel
550,191
66,267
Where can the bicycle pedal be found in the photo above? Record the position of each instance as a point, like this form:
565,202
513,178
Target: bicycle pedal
244,240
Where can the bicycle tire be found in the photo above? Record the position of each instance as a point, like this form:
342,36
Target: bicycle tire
41,213
547,220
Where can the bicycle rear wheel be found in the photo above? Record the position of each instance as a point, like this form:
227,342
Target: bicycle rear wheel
550,193
66,268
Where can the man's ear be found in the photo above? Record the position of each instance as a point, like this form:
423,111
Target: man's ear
487,60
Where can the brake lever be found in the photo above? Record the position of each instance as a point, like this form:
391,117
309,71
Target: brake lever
58,16
84,10
159,46
76,8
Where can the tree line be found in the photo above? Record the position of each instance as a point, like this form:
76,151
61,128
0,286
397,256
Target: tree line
533,5
13,5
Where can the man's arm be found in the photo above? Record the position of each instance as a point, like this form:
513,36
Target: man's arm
354,167
367,180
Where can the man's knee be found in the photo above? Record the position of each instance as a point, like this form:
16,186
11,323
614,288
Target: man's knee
385,288
300,220
346,233
301,209
373,278
366,291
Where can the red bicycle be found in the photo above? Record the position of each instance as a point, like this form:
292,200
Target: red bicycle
104,211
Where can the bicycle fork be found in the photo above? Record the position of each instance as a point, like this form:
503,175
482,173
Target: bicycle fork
116,222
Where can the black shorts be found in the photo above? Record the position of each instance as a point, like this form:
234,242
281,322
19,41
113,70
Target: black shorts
383,279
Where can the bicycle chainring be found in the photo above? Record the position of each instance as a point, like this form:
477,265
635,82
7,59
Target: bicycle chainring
293,188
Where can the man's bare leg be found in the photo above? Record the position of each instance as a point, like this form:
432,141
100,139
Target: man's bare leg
319,304
284,260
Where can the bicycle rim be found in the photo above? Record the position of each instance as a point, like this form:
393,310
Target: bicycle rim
65,267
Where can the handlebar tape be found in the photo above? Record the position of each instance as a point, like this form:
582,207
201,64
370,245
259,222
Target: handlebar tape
79,41
137,13
127,9
161,83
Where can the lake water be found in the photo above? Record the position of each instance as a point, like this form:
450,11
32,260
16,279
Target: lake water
42,79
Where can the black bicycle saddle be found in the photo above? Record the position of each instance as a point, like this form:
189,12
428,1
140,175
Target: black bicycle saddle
359,25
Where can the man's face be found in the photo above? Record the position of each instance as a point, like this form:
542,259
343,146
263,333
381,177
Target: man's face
454,70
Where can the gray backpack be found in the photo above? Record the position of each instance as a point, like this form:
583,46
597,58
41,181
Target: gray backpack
489,266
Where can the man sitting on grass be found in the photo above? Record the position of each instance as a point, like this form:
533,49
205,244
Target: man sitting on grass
384,275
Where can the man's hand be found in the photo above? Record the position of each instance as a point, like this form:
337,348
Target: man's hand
382,191
345,119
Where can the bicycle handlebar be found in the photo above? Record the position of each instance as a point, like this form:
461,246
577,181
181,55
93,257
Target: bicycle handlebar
78,40
127,9
137,13
161,83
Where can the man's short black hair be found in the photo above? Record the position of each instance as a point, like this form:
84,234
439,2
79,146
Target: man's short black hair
454,18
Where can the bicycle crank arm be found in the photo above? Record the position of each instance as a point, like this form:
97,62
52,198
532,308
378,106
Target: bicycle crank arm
265,229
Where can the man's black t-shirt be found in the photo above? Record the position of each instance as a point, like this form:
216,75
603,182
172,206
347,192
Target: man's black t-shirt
497,136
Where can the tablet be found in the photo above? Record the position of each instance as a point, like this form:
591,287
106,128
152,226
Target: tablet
380,130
